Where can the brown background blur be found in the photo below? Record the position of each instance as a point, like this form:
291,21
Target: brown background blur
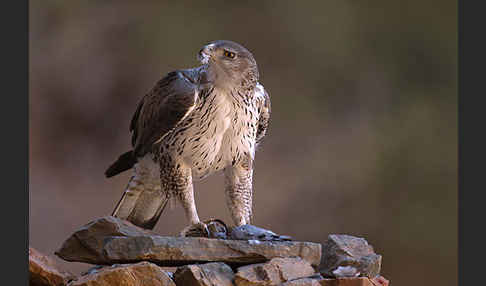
363,134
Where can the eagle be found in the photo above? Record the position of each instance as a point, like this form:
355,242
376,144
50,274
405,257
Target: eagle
191,124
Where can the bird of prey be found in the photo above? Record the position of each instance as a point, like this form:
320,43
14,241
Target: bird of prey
192,123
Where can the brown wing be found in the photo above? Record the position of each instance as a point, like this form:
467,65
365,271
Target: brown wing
265,110
169,101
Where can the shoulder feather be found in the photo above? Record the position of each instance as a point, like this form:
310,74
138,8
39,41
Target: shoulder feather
163,108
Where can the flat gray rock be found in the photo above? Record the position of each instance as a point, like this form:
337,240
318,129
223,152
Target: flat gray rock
110,240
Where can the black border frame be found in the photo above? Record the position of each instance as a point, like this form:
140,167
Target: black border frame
15,143
471,62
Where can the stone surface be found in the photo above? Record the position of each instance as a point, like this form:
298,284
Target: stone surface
380,281
357,281
215,273
44,271
274,272
139,274
315,280
319,281
349,252
109,240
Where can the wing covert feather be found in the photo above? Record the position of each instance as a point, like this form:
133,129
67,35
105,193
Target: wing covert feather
265,110
169,101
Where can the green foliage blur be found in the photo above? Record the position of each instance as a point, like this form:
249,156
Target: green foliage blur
363,134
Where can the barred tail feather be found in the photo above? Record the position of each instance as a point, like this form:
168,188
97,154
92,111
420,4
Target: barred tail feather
141,204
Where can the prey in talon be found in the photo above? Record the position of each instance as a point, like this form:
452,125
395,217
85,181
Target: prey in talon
191,124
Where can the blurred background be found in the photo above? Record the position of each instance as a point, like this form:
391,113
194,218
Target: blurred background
363,134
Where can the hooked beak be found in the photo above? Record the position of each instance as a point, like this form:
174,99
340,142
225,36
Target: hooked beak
204,54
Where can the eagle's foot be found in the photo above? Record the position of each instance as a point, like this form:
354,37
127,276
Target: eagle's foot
199,229
212,228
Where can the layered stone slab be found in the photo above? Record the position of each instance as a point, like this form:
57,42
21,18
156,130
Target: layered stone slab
110,240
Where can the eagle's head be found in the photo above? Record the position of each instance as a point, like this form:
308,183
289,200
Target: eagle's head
229,64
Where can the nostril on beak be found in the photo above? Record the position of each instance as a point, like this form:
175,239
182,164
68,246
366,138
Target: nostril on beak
207,49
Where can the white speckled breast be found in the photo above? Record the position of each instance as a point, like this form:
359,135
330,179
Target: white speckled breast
220,131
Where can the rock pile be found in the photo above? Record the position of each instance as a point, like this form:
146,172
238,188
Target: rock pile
349,256
128,255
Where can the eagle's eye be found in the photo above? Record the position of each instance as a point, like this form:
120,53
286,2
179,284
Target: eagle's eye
229,54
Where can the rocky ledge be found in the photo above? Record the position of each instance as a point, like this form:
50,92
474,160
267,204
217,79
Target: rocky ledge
109,240
125,254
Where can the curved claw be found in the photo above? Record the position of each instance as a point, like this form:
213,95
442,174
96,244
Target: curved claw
217,229
195,230
212,228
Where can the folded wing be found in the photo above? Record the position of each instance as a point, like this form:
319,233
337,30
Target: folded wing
162,109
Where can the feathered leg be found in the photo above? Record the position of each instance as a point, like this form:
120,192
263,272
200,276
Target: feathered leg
177,178
239,198
238,180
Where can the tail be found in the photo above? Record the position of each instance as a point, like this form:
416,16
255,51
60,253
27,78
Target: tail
141,203
123,163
